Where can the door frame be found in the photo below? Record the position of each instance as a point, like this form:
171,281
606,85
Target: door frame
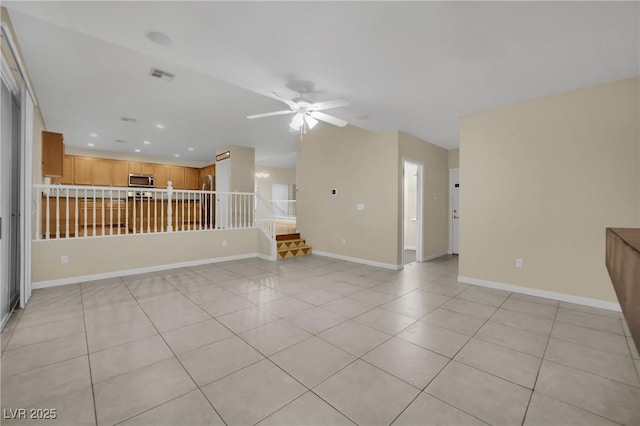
451,172
419,210
28,105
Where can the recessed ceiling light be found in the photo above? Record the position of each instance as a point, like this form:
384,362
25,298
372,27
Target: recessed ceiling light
147,143
190,148
159,38
160,126
176,155
90,144
137,150
93,135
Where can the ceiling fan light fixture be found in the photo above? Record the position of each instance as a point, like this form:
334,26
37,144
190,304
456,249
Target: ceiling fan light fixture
311,122
297,121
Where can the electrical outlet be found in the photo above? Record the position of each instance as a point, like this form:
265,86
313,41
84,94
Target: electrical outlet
224,243
64,259
519,263
344,241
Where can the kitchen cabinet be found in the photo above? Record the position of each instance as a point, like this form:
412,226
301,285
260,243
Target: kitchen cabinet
101,172
141,168
161,175
152,216
176,176
82,170
120,173
110,217
52,154
58,211
191,178
67,172
209,170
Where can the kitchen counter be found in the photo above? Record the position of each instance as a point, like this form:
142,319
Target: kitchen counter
623,264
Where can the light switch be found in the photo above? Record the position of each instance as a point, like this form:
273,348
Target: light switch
360,206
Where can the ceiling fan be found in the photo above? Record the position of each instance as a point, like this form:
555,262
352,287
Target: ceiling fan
306,113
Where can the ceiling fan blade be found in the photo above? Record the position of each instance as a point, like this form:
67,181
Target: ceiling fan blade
319,106
289,102
328,118
269,114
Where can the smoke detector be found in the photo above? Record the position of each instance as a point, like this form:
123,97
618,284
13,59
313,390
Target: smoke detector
162,75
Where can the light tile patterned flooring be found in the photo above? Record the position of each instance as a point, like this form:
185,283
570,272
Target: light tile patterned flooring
313,340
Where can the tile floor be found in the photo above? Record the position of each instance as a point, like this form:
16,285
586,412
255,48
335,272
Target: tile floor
315,341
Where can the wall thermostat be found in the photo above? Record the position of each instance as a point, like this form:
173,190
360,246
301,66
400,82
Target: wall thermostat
334,191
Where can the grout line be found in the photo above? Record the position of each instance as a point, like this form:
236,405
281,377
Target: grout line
86,337
452,358
172,351
544,353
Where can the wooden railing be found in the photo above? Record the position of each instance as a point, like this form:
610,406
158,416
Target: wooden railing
67,211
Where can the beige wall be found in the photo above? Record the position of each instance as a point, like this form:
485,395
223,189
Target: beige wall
542,180
364,168
436,193
454,158
91,256
276,175
242,169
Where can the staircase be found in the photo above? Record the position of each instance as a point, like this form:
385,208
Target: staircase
291,245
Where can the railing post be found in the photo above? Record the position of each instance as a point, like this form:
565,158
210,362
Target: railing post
169,209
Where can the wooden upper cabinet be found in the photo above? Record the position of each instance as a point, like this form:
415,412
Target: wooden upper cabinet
52,154
161,175
82,170
191,178
120,173
141,168
101,172
176,176
67,172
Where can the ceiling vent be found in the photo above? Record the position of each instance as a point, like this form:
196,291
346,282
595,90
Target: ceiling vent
162,75
128,119
121,141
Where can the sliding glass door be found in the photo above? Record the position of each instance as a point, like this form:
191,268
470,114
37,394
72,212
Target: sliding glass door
10,245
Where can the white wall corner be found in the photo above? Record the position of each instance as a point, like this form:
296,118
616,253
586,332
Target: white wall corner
435,256
586,301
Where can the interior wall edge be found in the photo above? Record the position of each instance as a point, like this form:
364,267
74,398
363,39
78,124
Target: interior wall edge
143,270
570,298
360,260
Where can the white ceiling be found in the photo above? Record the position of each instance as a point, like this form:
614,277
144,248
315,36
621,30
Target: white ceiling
411,66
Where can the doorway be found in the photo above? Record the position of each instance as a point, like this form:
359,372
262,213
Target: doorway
454,209
10,160
412,220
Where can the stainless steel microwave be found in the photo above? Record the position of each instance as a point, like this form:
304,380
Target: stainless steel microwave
141,181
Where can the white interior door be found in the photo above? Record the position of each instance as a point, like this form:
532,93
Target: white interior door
454,175
223,185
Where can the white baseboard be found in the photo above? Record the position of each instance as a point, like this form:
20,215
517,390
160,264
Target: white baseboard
264,257
434,256
596,303
115,274
410,248
359,260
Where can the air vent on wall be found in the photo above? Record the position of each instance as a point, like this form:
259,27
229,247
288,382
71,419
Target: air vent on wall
162,75
128,119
